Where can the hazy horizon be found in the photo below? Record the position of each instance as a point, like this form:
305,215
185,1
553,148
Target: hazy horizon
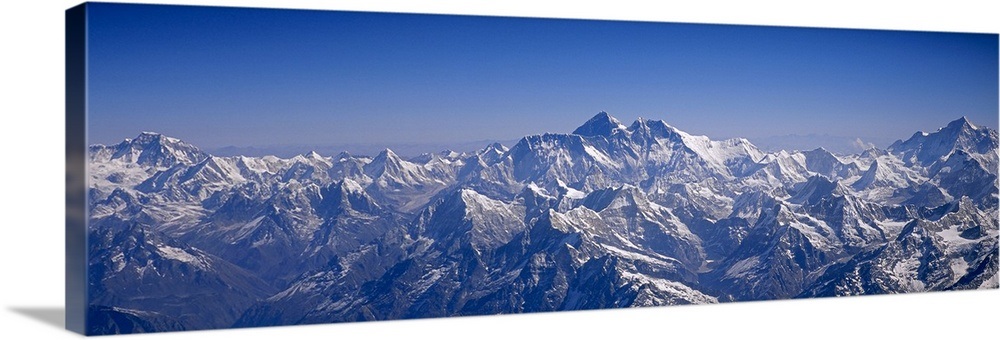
787,142
218,77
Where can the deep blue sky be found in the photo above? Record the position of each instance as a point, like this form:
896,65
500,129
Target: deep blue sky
245,77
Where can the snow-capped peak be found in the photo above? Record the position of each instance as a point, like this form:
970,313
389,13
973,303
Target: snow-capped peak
384,161
653,128
879,175
647,209
960,123
494,148
601,124
343,155
154,149
959,134
816,189
385,158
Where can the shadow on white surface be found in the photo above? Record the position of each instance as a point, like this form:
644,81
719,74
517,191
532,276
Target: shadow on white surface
52,316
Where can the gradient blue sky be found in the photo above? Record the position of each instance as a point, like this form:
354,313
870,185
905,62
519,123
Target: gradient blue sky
246,77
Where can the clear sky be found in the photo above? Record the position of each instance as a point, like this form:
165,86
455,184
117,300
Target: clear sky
245,77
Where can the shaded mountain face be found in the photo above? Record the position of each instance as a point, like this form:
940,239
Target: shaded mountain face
611,215
117,320
150,281
600,125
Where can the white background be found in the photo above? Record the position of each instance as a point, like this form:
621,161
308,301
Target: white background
32,174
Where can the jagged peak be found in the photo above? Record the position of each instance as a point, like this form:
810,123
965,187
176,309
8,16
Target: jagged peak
953,128
963,208
155,149
961,123
213,161
387,162
752,200
149,137
496,146
567,191
874,168
386,158
823,154
122,194
471,196
601,124
599,200
878,174
450,154
873,152
535,190
467,202
345,194
552,219
491,153
959,134
817,188
654,126
387,153
351,185
145,137
743,141
344,154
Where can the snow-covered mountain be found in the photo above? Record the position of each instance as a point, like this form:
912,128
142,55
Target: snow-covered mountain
611,215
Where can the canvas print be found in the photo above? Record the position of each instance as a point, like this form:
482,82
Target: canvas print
261,167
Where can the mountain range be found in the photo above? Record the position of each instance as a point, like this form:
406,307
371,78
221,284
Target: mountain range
610,215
